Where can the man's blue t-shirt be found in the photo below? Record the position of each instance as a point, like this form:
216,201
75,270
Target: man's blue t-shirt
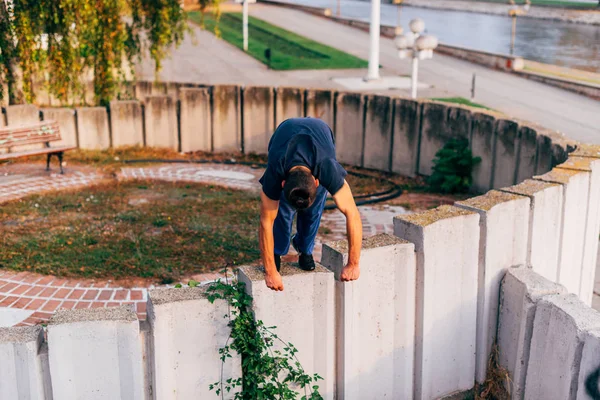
307,142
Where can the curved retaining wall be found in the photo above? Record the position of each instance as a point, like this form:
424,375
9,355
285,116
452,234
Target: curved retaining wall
422,319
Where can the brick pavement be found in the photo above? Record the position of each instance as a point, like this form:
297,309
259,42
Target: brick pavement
41,295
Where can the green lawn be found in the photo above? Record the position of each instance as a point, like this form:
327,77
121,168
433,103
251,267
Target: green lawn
288,50
460,100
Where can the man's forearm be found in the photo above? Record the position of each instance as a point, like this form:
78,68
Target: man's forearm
354,229
266,243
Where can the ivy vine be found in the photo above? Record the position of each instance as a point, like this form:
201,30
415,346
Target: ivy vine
270,367
60,45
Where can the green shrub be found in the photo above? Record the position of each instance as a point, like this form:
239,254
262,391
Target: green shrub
453,167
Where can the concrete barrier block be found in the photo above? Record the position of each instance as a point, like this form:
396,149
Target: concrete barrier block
405,151
92,128
459,122
544,160
445,241
289,104
556,346
507,146
160,117
378,133
545,225
66,122
309,318
319,104
576,186
195,127
376,319
589,371
21,365
504,222
433,134
521,289
349,128
483,143
527,153
226,122
172,89
96,354
126,123
22,114
259,122
187,330
592,223
142,90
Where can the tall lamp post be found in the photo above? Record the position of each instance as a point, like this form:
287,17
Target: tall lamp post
419,47
375,32
514,12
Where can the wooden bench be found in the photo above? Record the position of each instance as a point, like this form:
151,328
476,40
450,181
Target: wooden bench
45,132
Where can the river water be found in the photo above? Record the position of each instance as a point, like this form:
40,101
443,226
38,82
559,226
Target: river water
551,42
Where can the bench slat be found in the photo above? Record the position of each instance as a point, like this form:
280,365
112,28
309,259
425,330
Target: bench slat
36,152
47,131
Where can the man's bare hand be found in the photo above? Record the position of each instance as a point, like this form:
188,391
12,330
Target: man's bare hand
274,281
350,273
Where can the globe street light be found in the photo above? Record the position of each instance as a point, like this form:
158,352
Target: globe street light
417,45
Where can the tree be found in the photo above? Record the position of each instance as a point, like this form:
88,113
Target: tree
64,43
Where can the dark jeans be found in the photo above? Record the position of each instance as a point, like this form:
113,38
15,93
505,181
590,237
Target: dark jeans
307,225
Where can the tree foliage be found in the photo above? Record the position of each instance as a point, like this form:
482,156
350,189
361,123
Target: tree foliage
63,44
453,167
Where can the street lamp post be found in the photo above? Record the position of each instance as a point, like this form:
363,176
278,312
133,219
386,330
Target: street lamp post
514,12
375,32
417,46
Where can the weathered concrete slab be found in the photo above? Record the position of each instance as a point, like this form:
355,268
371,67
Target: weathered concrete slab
446,312
22,114
507,147
592,223
92,128
378,133
289,104
504,222
160,116
22,366
96,354
187,330
589,370
576,185
226,122
195,120
527,153
558,339
483,144
309,319
258,116
320,104
376,319
544,160
127,123
66,122
349,127
405,151
521,289
545,225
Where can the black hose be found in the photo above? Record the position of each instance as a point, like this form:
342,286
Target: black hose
371,198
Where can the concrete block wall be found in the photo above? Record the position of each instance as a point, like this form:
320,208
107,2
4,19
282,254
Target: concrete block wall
259,108
160,121
304,315
126,123
186,332
289,104
376,319
377,152
226,118
93,128
66,122
349,128
195,128
446,298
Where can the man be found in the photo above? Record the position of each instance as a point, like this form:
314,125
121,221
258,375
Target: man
301,169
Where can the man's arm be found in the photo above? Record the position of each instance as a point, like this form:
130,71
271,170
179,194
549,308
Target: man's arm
268,213
345,202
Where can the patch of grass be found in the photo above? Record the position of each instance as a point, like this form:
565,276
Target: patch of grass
288,50
461,100
105,231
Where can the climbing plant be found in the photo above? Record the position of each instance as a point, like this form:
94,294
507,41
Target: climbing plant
61,44
453,167
270,368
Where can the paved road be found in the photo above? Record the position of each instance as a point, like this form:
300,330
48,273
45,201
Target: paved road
209,60
574,115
